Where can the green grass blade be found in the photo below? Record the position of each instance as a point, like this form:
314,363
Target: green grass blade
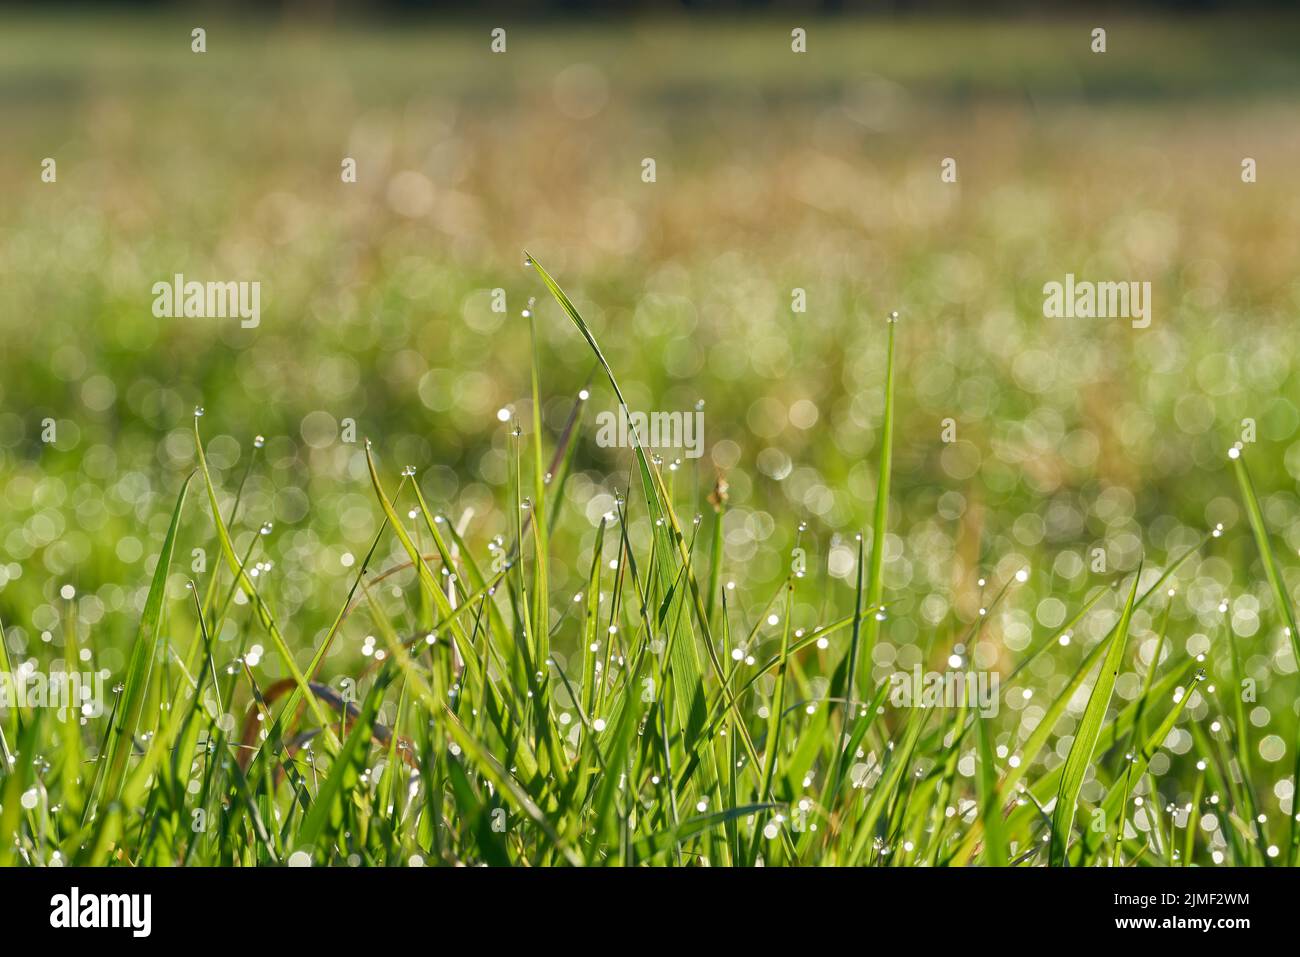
880,520
136,684
1088,732
326,814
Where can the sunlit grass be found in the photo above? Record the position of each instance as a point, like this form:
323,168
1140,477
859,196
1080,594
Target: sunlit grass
405,640
468,740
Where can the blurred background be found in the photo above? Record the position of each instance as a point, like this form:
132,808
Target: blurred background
775,171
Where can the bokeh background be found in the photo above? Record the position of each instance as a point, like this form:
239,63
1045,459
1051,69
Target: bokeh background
774,171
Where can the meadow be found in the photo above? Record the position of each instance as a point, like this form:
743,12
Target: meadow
362,586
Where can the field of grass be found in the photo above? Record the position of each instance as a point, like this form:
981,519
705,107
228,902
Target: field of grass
388,600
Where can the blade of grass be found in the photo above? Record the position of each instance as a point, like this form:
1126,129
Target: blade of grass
122,736
880,520
1087,733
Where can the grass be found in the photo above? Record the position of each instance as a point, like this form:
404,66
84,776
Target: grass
469,741
393,626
